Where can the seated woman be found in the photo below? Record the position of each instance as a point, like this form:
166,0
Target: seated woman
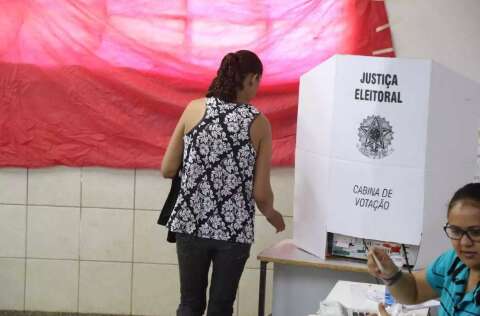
454,277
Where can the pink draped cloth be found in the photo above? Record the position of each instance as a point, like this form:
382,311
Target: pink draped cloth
103,82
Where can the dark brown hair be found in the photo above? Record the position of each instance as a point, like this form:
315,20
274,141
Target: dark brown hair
469,193
231,74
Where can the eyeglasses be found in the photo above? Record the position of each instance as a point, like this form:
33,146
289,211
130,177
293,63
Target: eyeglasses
456,233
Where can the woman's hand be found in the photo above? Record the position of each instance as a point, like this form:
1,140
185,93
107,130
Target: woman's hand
389,268
381,311
276,220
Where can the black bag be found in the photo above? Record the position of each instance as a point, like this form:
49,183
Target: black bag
169,205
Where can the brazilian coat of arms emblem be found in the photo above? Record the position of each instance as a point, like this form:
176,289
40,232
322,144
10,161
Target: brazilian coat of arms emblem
375,137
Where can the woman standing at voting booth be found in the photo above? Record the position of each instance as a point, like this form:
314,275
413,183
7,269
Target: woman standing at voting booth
454,277
223,146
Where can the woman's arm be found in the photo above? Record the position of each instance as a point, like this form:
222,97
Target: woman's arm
413,288
409,288
262,188
172,160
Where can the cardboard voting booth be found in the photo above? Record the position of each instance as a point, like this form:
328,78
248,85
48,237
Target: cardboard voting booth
382,144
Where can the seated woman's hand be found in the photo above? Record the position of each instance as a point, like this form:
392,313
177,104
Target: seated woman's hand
389,268
381,311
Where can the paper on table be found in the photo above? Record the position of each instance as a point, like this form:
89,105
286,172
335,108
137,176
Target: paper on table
377,296
427,304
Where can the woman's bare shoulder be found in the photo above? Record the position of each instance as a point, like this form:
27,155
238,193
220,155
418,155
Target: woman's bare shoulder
196,103
260,130
261,122
193,113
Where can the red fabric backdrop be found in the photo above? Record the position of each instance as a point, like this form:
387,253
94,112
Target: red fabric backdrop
103,82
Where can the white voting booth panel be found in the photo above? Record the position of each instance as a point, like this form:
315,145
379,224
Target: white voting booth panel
382,144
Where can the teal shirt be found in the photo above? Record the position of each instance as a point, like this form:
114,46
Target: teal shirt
448,276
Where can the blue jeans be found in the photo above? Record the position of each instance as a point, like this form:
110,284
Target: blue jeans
194,258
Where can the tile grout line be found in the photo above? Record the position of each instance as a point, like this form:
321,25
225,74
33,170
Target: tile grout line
111,208
96,260
133,239
79,239
26,244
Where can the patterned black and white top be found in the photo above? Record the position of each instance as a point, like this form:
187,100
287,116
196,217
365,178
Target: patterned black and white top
216,194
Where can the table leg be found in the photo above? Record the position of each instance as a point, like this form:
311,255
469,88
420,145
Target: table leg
261,289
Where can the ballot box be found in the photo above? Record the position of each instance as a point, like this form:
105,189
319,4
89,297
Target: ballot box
382,144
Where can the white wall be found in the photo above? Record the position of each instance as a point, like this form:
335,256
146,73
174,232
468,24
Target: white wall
446,31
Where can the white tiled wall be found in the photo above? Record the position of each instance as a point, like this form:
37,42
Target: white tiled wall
86,240
13,186
54,186
53,232
52,285
106,234
248,293
105,287
155,289
12,230
12,280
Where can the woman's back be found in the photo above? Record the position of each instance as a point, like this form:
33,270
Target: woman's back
196,110
216,197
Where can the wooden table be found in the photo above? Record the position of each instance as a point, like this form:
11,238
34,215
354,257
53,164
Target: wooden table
285,254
